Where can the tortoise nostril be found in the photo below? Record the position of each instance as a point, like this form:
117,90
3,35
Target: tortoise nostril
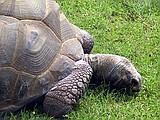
134,82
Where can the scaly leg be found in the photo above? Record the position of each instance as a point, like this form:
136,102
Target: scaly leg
64,95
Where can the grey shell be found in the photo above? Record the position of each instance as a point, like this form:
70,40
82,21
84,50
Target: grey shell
38,47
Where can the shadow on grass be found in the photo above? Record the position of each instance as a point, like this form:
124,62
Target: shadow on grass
118,95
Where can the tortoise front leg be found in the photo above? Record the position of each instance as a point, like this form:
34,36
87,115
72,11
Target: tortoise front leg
64,95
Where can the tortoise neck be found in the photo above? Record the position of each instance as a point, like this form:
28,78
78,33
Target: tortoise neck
92,60
102,65
96,64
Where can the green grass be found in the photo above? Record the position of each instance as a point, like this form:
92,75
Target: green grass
129,28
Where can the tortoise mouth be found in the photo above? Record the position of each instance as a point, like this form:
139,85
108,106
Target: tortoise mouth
136,89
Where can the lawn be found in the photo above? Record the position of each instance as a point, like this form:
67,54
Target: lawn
130,28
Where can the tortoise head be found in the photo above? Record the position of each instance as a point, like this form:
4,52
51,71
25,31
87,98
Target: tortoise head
125,75
133,80
116,70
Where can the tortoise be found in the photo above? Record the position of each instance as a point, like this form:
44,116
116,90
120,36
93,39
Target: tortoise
42,54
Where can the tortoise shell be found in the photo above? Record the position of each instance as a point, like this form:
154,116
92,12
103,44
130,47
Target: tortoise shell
38,47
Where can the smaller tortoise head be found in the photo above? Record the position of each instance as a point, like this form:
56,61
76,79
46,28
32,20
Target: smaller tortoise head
125,75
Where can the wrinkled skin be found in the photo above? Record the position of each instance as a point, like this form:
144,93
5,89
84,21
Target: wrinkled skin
118,71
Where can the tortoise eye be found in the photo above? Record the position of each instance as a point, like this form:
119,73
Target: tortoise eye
134,82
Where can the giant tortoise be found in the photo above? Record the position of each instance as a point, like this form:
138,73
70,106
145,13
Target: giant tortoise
43,54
